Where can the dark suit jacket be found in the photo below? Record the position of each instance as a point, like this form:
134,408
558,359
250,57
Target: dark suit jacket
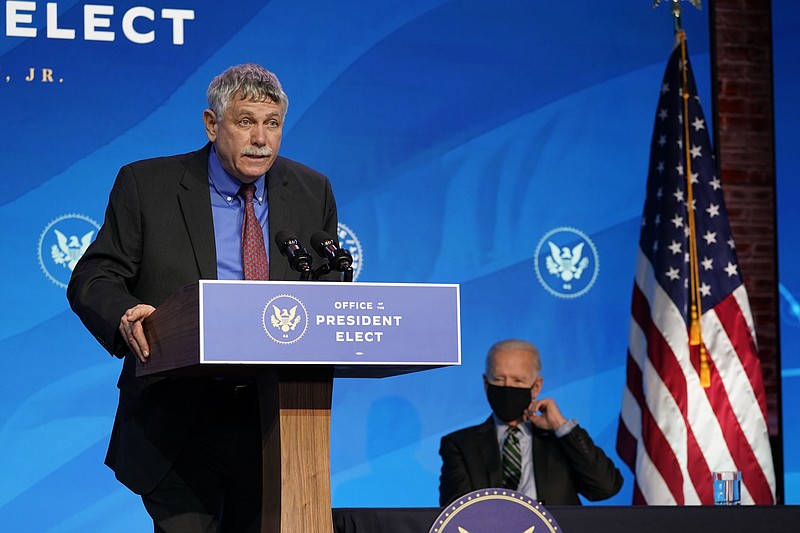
157,236
563,467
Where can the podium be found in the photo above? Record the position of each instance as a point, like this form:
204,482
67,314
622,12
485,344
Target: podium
292,339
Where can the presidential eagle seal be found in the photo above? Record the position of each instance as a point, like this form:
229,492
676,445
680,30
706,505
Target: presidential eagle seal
285,319
566,262
62,243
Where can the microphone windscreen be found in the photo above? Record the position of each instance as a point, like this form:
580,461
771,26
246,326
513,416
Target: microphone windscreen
318,241
283,236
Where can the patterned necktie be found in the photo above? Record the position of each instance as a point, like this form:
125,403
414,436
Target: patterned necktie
254,254
512,459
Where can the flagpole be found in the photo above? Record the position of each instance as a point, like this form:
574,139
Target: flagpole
695,328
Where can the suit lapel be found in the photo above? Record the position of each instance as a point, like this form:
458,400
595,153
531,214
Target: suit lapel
541,464
195,201
490,451
280,217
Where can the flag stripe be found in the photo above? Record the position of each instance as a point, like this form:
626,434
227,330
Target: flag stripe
735,418
738,331
699,472
666,445
626,444
638,497
737,443
656,443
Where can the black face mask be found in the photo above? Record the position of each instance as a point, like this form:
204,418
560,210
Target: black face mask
508,403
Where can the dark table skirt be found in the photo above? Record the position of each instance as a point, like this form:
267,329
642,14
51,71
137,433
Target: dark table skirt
595,519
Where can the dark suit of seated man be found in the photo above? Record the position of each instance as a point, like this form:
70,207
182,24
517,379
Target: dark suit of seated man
549,458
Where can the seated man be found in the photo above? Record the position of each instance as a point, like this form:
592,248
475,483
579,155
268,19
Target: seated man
526,445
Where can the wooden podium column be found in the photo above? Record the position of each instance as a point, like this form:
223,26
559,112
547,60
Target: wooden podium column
295,405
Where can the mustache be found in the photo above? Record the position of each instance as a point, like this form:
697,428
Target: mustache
264,151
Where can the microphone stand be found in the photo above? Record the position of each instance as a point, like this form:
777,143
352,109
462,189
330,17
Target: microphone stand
326,269
321,271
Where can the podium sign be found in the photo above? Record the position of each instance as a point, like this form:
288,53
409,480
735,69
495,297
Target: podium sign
329,323
359,329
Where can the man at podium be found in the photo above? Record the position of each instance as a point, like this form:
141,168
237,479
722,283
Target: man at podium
192,447
526,445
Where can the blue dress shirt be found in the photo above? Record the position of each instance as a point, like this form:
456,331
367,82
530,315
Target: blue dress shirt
227,210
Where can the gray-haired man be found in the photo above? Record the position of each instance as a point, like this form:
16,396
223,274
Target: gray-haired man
192,447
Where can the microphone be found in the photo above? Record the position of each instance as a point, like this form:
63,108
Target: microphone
339,259
298,257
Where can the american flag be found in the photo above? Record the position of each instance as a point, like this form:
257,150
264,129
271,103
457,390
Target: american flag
682,420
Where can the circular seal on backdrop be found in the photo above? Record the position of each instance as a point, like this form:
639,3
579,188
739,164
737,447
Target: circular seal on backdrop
492,510
566,262
62,243
349,241
285,319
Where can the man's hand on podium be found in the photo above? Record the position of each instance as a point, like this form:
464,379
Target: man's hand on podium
130,327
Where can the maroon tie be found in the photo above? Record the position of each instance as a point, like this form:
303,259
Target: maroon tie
254,255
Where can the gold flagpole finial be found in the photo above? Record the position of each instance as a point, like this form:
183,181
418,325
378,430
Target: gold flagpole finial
675,7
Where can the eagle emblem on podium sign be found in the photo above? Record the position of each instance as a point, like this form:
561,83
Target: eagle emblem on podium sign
285,319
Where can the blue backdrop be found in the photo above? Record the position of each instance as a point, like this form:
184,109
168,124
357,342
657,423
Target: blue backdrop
468,134
786,41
